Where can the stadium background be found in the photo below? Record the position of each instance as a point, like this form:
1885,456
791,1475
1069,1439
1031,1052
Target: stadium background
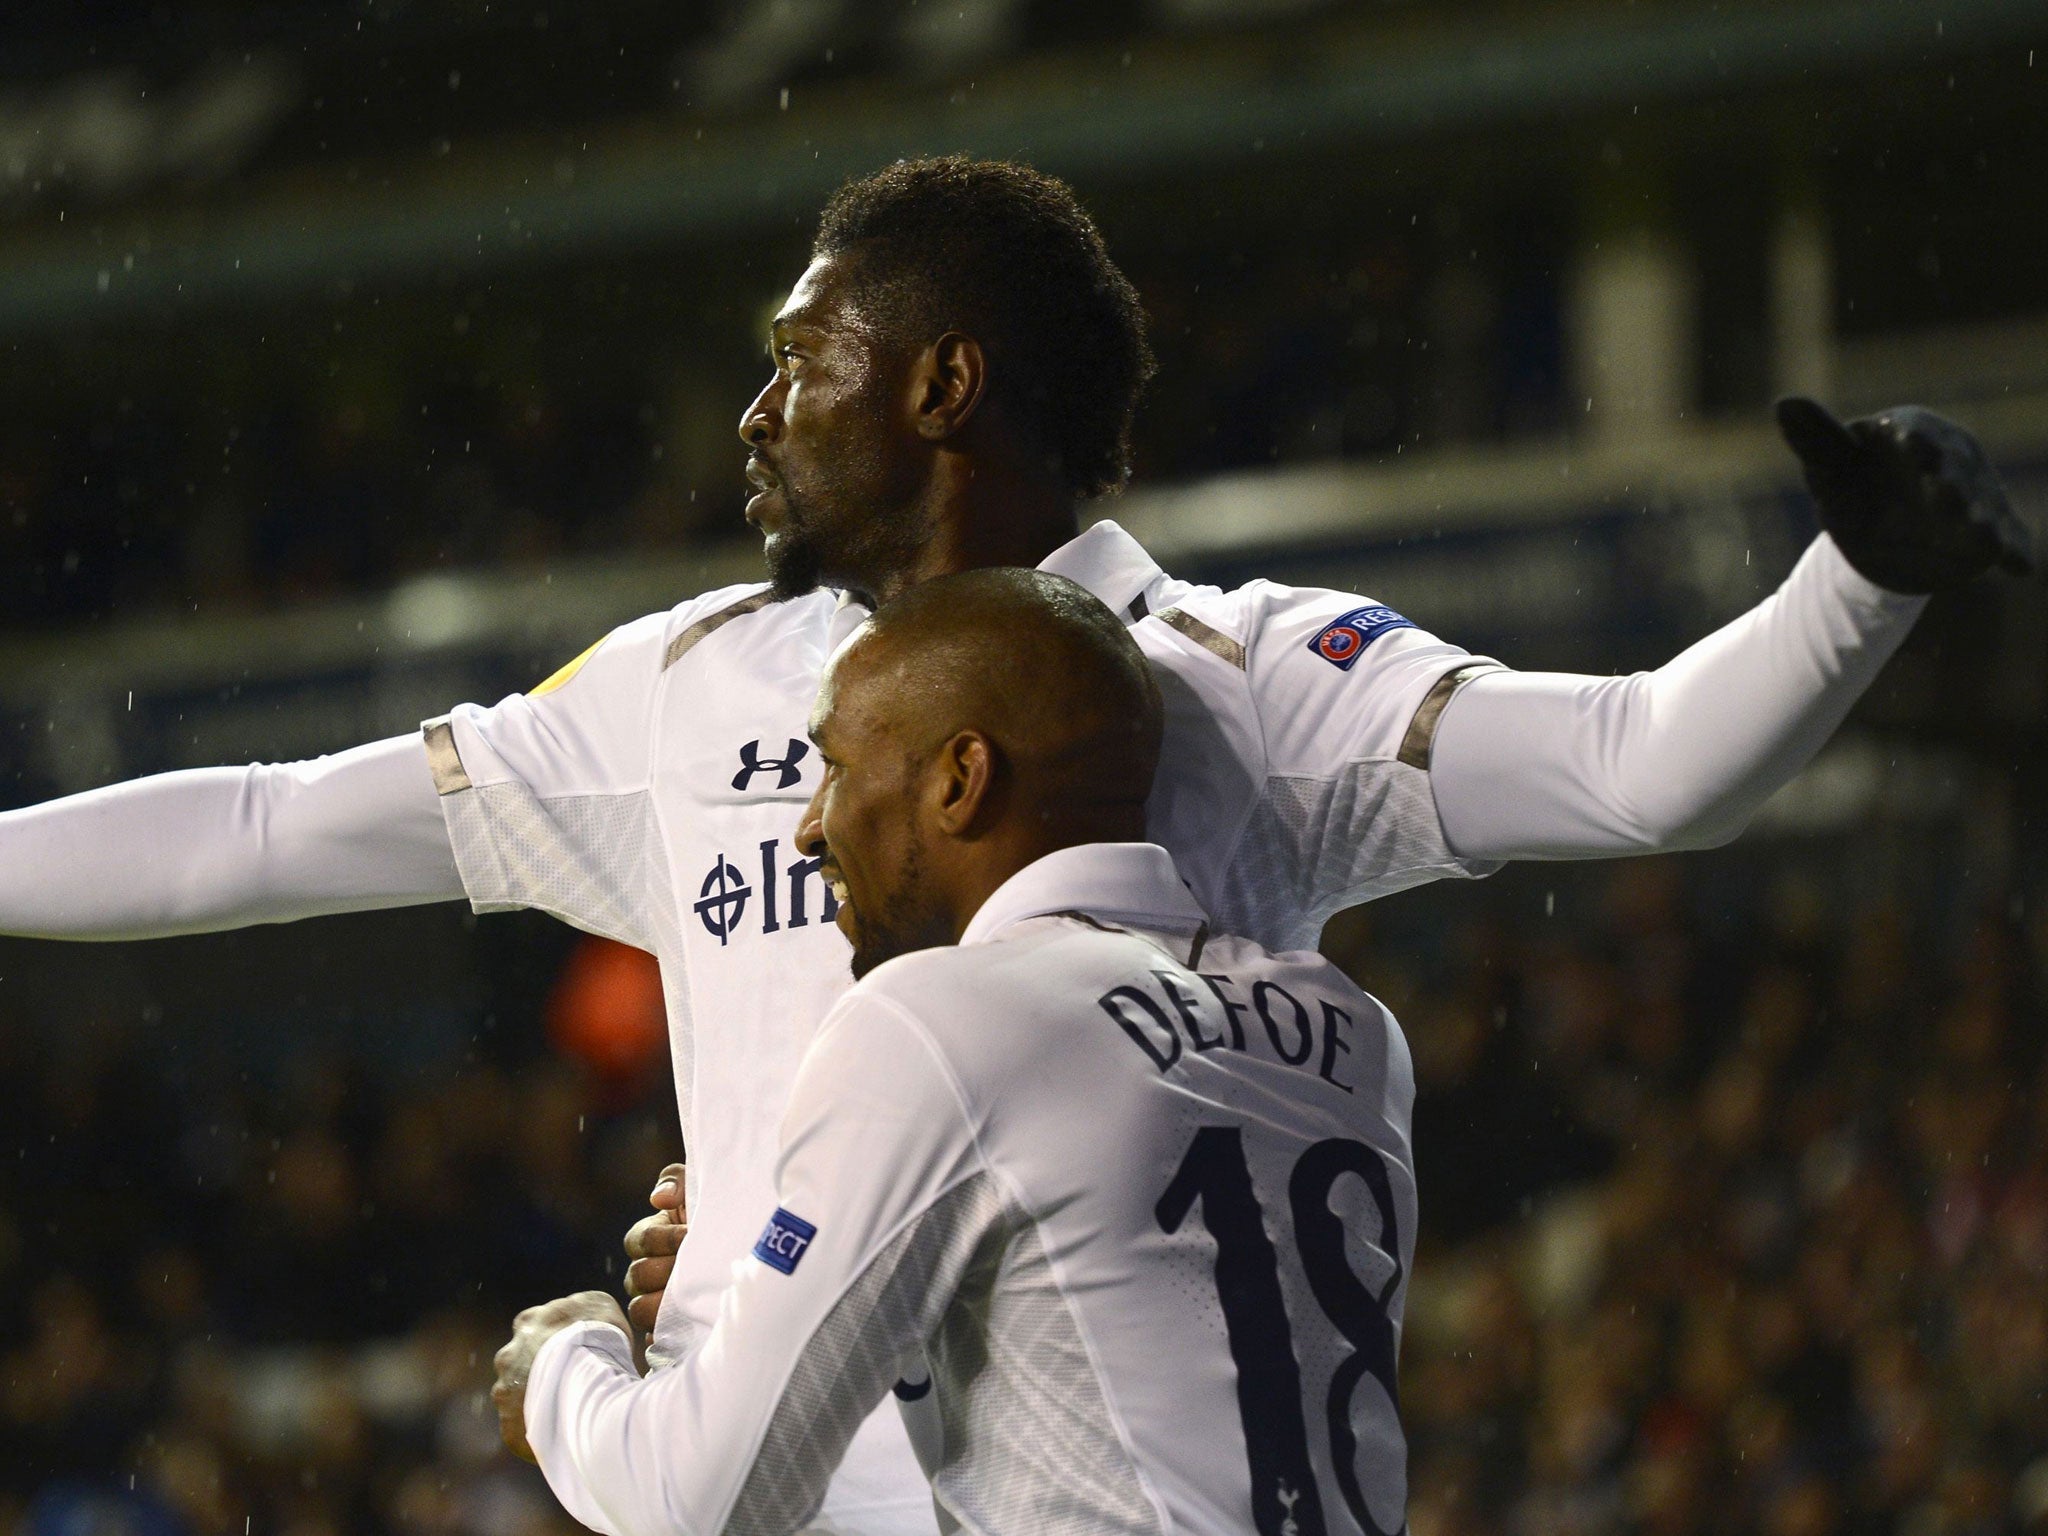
366,357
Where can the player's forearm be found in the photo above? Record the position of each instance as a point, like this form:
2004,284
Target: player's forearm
747,1428
1550,765
667,1453
578,1403
218,848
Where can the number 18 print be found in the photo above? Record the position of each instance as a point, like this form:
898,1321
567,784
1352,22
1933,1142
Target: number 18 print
1285,1498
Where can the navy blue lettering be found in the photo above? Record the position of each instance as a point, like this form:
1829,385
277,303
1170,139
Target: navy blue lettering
722,900
1162,1055
800,874
1231,1008
1261,990
724,895
1332,1044
1185,1006
768,922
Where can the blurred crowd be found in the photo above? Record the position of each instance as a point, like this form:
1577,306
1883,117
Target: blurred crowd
366,440
1734,1176
1738,1227
237,1304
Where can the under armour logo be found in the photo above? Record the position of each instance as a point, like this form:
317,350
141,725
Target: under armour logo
785,767
722,900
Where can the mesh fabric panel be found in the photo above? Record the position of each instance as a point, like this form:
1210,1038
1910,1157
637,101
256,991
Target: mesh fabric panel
853,1358
1314,846
584,858
1030,1445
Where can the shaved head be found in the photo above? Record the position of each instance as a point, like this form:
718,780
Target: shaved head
979,722
1039,664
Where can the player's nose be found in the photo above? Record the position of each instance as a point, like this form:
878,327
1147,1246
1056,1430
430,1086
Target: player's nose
810,829
761,422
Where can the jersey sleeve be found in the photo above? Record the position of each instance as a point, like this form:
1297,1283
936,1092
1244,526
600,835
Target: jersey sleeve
881,1208
1548,765
1347,693
548,794
209,848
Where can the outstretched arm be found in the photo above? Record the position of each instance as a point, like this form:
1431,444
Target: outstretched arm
214,848
1548,765
1553,765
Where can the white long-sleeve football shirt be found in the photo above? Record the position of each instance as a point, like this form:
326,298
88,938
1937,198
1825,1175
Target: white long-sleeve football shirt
1146,1197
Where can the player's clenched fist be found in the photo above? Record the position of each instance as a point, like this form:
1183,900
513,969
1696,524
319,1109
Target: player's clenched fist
1910,498
514,1363
652,1245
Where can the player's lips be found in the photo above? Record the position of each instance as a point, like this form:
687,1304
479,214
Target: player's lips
765,483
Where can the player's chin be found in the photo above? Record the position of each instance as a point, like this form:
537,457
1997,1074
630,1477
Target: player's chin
794,569
869,950
872,946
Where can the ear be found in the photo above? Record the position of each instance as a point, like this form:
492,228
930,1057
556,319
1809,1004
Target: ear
947,384
966,780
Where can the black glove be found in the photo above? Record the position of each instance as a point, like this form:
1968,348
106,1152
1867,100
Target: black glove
1908,495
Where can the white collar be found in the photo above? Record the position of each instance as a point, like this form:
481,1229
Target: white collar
1108,562
848,615
1103,558
1132,883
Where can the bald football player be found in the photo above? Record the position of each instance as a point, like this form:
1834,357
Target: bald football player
1042,1141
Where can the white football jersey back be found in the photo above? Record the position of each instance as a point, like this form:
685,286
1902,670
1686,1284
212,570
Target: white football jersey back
1145,1196
1208,1220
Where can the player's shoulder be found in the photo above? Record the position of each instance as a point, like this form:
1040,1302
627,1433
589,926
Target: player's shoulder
1262,625
1187,623
1000,1000
746,594
749,610
899,1025
630,659
1291,992
1233,953
1321,638
929,987
637,651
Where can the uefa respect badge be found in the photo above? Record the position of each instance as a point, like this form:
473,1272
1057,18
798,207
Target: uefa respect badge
784,1241
1342,641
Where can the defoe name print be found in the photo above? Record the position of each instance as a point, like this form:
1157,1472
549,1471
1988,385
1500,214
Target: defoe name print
1165,1016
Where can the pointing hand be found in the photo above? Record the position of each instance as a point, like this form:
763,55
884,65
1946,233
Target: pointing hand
1909,496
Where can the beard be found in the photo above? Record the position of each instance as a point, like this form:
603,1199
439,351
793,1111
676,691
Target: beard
795,567
908,920
859,536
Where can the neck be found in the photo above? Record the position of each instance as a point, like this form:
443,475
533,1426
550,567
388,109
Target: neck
985,510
